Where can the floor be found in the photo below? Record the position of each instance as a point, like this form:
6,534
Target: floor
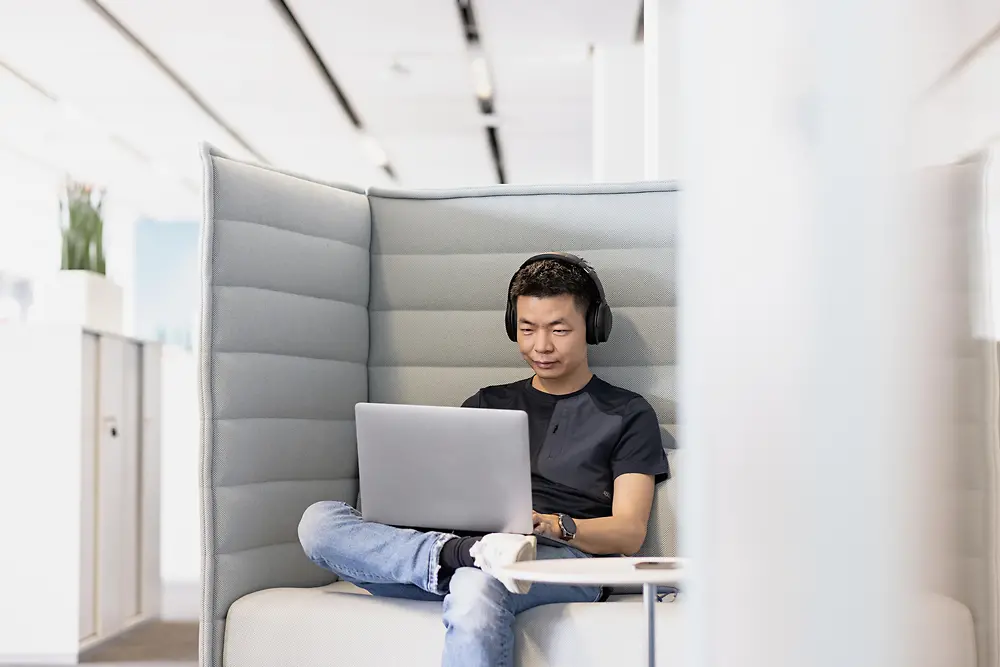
155,644
160,643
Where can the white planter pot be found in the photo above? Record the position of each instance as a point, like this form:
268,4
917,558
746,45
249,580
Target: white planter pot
80,298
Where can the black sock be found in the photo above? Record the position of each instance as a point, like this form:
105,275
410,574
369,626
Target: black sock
455,554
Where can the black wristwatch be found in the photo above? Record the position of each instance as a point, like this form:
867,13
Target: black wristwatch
567,526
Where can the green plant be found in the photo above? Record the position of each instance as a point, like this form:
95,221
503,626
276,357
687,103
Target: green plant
82,228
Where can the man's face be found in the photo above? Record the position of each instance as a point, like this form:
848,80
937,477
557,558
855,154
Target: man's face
552,335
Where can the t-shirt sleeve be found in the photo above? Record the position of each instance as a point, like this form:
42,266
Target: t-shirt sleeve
474,401
640,448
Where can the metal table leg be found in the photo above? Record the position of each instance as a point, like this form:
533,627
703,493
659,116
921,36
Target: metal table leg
649,600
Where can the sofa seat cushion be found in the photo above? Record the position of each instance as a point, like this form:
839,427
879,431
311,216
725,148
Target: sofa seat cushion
341,624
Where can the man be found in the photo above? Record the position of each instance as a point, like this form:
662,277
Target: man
596,455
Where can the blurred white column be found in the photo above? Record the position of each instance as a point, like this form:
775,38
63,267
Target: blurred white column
662,86
804,336
619,131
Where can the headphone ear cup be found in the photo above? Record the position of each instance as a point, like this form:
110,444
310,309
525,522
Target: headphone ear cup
510,321
602,323
593,313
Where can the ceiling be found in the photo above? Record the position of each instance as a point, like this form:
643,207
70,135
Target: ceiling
120,92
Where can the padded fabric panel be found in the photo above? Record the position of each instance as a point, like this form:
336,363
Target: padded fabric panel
645,279
661,536
297,325
276,506
268,197
283,261
284,345
970,460
268,385
283,564
955,195
435,386
477,338
250,451
508,222
440,271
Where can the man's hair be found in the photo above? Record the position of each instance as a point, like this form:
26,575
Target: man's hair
551,277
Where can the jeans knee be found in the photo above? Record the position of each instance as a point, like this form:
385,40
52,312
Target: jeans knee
317,521
476,602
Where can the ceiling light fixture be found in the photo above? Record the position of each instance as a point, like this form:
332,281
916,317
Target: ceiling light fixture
374,151
481,78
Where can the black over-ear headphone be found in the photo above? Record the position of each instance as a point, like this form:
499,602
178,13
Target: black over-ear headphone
598,316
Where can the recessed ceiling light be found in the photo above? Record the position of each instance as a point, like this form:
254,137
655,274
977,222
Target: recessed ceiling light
481,78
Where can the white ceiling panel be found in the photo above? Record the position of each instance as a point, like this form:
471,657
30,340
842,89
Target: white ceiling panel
544,93
405,67
411,93
245,62
554,27
546,157
65,47
539,55
944,30
539,78
441,160
345,28
963,116
66,145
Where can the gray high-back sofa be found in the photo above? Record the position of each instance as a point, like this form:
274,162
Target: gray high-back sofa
319,296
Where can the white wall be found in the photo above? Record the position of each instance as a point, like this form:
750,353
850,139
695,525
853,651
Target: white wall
29,216
619,136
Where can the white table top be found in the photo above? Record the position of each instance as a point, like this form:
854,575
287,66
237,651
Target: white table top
611,571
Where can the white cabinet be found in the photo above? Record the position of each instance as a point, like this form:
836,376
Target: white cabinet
79,489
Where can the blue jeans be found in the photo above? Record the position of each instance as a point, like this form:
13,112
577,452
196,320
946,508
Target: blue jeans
397,562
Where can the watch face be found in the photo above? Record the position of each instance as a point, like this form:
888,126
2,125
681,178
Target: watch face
568,526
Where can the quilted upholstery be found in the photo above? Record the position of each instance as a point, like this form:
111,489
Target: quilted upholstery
954,195
284,348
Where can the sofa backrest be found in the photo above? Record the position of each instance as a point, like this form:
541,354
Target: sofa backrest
317,297
441,264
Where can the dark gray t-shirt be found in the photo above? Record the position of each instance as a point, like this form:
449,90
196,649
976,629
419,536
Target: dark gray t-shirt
581,442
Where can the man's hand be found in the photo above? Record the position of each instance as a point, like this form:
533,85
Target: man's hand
621,533
546,525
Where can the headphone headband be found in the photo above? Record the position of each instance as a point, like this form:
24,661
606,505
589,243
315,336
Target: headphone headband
598,315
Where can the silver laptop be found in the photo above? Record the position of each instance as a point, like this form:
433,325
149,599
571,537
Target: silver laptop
453,469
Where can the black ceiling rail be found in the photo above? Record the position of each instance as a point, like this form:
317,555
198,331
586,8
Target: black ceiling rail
487,105
317,60
112,20
324,71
